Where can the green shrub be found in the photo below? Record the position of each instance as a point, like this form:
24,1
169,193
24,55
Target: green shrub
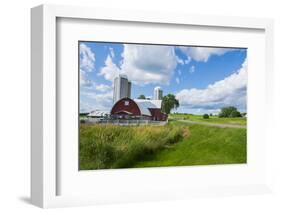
229,112
206,116
109,146
235,114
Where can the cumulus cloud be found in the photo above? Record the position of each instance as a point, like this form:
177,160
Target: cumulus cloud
87,65
84,82
180,61
94,100
111,52
229,91
143,64
110,70
149,64
188,60
95,96
87,58
92,85
203,53
102,87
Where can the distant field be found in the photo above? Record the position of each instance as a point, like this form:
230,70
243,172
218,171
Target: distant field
176,144
206,145
212,119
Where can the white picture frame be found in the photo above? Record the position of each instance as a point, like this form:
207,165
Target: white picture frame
44,154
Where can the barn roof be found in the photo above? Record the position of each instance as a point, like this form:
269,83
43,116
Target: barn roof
145,104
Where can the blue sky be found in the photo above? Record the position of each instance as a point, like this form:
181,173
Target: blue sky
204,79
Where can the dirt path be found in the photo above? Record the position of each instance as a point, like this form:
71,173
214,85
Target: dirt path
215,124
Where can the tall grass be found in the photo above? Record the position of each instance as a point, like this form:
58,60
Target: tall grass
109,146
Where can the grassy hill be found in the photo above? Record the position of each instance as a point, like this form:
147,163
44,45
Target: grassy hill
205,145
176,144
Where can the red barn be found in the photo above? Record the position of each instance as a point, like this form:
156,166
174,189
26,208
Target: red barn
127,108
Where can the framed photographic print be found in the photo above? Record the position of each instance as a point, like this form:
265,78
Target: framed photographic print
133,106
152,105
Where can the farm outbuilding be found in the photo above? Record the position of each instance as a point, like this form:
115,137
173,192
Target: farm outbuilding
98,114
143,109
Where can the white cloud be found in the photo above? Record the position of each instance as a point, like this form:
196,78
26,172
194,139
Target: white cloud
192,69
149,63
96,96
91,85
183,62
188,60
102,87
111,52
110,70
152,63
143,64
84,82
87,58
177,80
229,91
101,101
85,107
180,61
203,53
87,64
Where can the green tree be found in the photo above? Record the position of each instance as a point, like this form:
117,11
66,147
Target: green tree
206,116
229,112
141,97
169,102
235,114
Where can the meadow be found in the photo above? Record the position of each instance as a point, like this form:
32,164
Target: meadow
211,119
205,146
175,144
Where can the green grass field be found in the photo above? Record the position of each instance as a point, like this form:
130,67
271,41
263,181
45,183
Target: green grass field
212,119
176,144
205,145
